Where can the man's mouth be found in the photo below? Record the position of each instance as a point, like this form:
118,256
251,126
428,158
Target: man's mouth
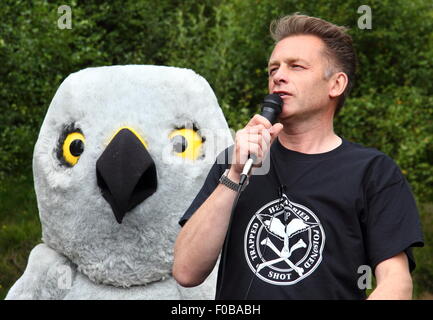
282,94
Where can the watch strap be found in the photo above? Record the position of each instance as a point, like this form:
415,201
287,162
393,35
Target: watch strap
225,180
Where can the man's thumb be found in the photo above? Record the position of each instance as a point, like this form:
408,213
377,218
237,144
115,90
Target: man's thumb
275,130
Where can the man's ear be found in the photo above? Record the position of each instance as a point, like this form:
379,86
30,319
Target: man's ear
338,84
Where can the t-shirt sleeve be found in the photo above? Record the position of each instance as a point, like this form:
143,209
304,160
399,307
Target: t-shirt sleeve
392,224
209,185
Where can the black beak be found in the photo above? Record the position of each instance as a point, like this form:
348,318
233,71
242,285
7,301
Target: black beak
126,173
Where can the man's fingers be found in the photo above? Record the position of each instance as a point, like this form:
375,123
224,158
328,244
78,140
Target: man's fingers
262,139
275,130
258,119
252,142
257,135
247,150
256,128
254,139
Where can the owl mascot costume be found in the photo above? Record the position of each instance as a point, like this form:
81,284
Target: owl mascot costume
121,154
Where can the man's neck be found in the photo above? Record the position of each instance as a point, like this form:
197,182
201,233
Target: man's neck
309,137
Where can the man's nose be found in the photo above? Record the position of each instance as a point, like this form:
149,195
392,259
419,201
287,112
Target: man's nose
281,76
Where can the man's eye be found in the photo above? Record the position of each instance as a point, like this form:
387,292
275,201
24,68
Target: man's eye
297,66
272,71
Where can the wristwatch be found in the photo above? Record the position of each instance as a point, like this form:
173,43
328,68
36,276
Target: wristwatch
230,183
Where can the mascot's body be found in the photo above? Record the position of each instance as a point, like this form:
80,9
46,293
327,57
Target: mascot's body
121,154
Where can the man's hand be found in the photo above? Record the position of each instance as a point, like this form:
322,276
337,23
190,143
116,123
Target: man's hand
255,138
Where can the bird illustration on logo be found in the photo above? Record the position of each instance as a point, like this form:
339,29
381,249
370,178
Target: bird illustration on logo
276,227
284,242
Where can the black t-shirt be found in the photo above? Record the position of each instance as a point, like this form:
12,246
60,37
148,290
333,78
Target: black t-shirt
338,214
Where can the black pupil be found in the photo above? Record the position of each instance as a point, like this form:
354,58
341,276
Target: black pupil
179,144
76,148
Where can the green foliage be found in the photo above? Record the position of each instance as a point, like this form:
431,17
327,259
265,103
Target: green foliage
423,275
227,42
20,229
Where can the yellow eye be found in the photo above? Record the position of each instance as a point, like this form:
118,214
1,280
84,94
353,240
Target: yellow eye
73,147
186,143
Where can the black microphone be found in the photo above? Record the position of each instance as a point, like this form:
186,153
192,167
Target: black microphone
271,108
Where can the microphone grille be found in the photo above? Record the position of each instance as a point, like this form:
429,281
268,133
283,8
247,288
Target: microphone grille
273,101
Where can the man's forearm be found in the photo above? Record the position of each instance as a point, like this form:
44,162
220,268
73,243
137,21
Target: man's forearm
393,288
394,281
202,237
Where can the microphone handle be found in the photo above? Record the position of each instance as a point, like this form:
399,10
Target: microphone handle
269,114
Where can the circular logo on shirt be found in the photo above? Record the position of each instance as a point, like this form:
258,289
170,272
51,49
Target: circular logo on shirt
283,242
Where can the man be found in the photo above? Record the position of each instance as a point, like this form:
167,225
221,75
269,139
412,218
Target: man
326,209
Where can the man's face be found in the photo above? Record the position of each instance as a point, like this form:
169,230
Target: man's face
296,70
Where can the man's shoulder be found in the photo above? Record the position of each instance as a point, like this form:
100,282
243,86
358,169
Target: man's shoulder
378,165
363,152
